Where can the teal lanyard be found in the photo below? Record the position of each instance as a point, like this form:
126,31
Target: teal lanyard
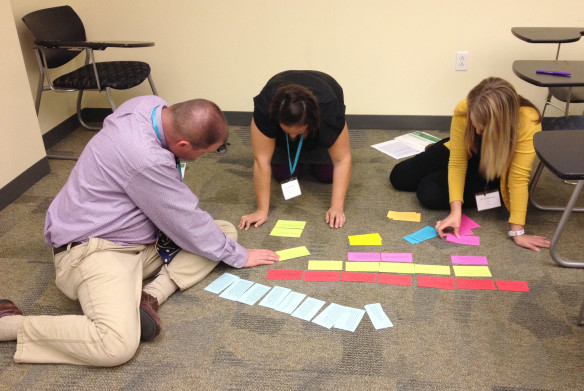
155,124
293,167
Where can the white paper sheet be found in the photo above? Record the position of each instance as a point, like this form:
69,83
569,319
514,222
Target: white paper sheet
221,283
378,316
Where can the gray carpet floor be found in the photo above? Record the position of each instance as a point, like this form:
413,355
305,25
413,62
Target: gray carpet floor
441,339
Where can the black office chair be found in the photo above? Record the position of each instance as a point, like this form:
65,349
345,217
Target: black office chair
60,37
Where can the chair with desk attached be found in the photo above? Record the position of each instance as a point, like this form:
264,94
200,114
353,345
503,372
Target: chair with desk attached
59,38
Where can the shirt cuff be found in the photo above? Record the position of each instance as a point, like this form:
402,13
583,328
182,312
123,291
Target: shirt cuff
236,254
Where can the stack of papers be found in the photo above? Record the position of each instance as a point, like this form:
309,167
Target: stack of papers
407,145
424,234
404,216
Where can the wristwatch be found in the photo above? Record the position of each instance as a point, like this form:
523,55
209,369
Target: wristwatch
516,233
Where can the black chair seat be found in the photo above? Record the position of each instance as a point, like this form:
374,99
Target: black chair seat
119,75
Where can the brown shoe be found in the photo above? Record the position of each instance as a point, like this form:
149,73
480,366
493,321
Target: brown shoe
8,308
149,320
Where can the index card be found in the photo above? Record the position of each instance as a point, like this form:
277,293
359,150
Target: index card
378,316
475,283
363,257
290,302
290,224
362,266
405,216
329,316
468,240
221,283
350,319
396,267
516,286
274,297
308,308
365,240
471,271
431,269
280,274
286,232
325,265
236,289
436,282
293,253
396,257
253,294
468,260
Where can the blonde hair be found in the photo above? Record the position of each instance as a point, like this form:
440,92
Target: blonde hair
493,107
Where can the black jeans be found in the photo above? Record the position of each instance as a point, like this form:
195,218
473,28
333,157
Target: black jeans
427,175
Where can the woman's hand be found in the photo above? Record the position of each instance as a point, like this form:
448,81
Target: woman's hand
259,218
335,218
452,220
531,242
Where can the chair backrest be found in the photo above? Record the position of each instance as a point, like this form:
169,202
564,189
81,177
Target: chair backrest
57,23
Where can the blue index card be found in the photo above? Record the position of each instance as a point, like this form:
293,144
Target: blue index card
274,297
329,316
350,319
290,302
377,316
253,294
235,290
308,308
221,283
424,234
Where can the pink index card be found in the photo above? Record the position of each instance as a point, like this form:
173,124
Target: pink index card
468,240
468,260
363,257
515,286
467,222
396,257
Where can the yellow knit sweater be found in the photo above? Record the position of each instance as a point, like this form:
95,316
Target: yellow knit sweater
514,183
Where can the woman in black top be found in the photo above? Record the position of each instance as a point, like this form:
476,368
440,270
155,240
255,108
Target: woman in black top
300,110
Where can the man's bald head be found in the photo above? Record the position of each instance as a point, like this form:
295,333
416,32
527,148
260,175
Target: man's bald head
200,122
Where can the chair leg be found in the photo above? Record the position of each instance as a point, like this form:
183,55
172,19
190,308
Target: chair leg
580,321
536,203
547,102
79,117
152,84
110,98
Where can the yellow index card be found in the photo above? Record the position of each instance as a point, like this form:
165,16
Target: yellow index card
325,265
472,271
396,267
293,253
362,266
365,240
286,232
432,269
290,224
405,216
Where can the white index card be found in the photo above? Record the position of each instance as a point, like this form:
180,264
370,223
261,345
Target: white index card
378,316
236,289
253,294
290,302
328,317
350,319
308,308
221,283
274,297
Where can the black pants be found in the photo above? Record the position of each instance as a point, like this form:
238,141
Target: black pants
427,175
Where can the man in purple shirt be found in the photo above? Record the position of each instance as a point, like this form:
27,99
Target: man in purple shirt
125,189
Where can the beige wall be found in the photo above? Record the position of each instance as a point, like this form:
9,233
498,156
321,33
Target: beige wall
392,57
21,144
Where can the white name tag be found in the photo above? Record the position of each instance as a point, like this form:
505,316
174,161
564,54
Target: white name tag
290,188
488,200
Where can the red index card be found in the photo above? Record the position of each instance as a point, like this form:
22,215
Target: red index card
359,277
515,286
473,283
279,274
393,279
436,282
314,275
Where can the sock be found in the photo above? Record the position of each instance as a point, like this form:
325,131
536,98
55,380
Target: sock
9,327
161,288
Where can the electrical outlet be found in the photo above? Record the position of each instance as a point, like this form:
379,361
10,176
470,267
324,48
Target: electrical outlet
461,61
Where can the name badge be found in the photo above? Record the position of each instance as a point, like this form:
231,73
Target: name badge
488,200
290,188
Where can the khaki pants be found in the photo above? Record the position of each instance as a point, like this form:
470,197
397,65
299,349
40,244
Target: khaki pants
107,280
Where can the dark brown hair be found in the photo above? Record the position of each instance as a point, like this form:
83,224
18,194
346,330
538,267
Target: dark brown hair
293,104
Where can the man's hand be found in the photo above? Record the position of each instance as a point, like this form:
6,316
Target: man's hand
531,242
335,218
259,218
257,257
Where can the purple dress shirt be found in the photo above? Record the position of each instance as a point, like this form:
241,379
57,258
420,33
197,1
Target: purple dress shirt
126,184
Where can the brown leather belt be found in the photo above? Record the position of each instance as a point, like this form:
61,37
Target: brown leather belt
57,250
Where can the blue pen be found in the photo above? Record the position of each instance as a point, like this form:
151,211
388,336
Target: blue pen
555,73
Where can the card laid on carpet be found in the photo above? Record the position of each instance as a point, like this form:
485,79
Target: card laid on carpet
404,216
253,294
396,267
362,266
290,302
308,308
274,297
222,282
279,274
350,319
236,289
358,277
321,276
424,234
396,257
469,260
514,286
471,271
436,282
475,283
293,253
467,240
363,257
330,315
431,269
378,316
393,279
288,228
365,240
325,265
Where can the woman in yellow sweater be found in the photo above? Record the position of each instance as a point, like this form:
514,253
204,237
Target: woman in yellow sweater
490,148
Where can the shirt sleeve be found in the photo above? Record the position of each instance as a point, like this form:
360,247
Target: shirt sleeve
519,172
174,209
458,162
261,116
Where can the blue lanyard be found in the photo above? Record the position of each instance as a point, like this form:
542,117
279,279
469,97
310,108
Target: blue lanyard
155,124
293,167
